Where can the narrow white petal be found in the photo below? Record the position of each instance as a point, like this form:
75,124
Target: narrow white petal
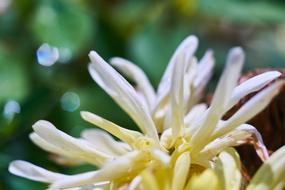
271,173
126,135
202,129
162,156
166,139
127,165
45,145
103,141
79,147
62,157
255,139
77,180
189,77
149,181
228,167
250,108
241,135
32,172
138,76
208,178
228,80
177,92
204,73
205,68
180,173
194,113
135,183
251,85
221,96
122,92
191,42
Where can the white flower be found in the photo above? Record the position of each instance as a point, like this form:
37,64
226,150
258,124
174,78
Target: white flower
177,132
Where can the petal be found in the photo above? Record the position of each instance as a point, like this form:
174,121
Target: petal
32,172
45,145
177,92
103,141
228,169
69,145
205,68
191,42
122,92
181,169
189,77
149,181
77,180
228,79
251,85
204,73
126,135
241,135
166,139
255,139
222,94
135,183
62,157
194,113
138,76
271,173
161,156
207,179
250,108
125,166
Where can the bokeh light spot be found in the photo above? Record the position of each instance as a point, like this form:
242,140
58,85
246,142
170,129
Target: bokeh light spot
10,109
70,101
65,55
47,55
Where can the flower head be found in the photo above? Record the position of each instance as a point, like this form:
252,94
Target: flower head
178,134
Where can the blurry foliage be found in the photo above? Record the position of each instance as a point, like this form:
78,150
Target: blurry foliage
145,32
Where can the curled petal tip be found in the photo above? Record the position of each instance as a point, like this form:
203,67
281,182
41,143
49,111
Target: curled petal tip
41,123
236,55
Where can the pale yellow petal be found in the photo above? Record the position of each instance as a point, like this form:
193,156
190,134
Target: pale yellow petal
181,170
103,141
124,166
79,147
135,183
194,113
178,108
204,73
45,145
164,85
229,78
122,92
126,135
250,108
206,180
228,169
132,71
271,174
251,85
191,42
221,96
32,172
241,135
205,68
149,181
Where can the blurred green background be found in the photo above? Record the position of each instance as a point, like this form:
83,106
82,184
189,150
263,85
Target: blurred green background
146,32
